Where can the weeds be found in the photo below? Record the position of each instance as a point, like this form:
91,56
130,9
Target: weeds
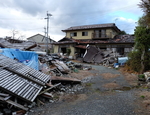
88,84
142,96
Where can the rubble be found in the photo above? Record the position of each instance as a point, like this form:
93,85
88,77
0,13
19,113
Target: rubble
106,58
23,87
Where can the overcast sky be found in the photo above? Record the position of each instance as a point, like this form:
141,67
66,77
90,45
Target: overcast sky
27,16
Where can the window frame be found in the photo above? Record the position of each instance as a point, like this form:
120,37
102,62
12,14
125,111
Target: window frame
85,33
73,34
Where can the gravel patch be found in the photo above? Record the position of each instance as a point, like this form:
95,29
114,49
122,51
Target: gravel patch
96,98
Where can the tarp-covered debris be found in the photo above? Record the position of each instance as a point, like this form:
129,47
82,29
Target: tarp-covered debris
26,57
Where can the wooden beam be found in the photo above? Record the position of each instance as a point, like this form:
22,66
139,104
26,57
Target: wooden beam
65,79
4,95
49,88
14,103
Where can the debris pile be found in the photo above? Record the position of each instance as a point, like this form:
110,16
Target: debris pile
95,55
106,58
144,79
22,88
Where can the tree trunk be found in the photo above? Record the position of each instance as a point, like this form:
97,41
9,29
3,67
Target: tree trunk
142,62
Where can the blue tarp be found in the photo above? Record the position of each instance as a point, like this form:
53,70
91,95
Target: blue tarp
26,57
122,60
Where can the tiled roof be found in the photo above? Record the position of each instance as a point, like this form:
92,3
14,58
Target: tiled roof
80,46
16,44
116,39
123,39
91,27
66,41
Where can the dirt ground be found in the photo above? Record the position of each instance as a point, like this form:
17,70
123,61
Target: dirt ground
130,77
109,92
81,74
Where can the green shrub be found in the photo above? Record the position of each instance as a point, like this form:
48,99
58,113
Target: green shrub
134,61
68,51
141,76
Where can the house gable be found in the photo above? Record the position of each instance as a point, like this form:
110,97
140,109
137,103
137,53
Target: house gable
40,39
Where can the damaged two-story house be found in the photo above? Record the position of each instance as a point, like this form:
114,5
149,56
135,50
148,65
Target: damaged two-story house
102,36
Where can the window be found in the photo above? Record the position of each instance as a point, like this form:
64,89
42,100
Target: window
73,34
84,33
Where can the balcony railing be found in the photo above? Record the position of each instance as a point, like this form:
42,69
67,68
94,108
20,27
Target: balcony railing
101,36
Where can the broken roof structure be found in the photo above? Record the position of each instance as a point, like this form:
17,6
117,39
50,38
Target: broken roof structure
116,39
19,44
21,80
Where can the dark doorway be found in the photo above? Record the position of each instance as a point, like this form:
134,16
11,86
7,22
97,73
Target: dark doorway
82,52
120,51
64,50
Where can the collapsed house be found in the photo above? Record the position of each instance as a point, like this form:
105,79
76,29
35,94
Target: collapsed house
106,58
95,55
102,36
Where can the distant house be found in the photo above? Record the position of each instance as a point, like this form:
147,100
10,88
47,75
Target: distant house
42,41
103,36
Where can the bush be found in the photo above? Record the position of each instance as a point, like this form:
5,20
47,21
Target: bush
68,51
134,61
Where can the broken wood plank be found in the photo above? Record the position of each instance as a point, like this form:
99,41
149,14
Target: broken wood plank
4,95
39,102
64,79
6,98
14,103
21,112
61,66
49,88
47,95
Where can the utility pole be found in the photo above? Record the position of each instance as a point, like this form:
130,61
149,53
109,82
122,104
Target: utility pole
47,30
45,39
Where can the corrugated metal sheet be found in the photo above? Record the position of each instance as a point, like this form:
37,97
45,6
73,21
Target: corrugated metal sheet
18,85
